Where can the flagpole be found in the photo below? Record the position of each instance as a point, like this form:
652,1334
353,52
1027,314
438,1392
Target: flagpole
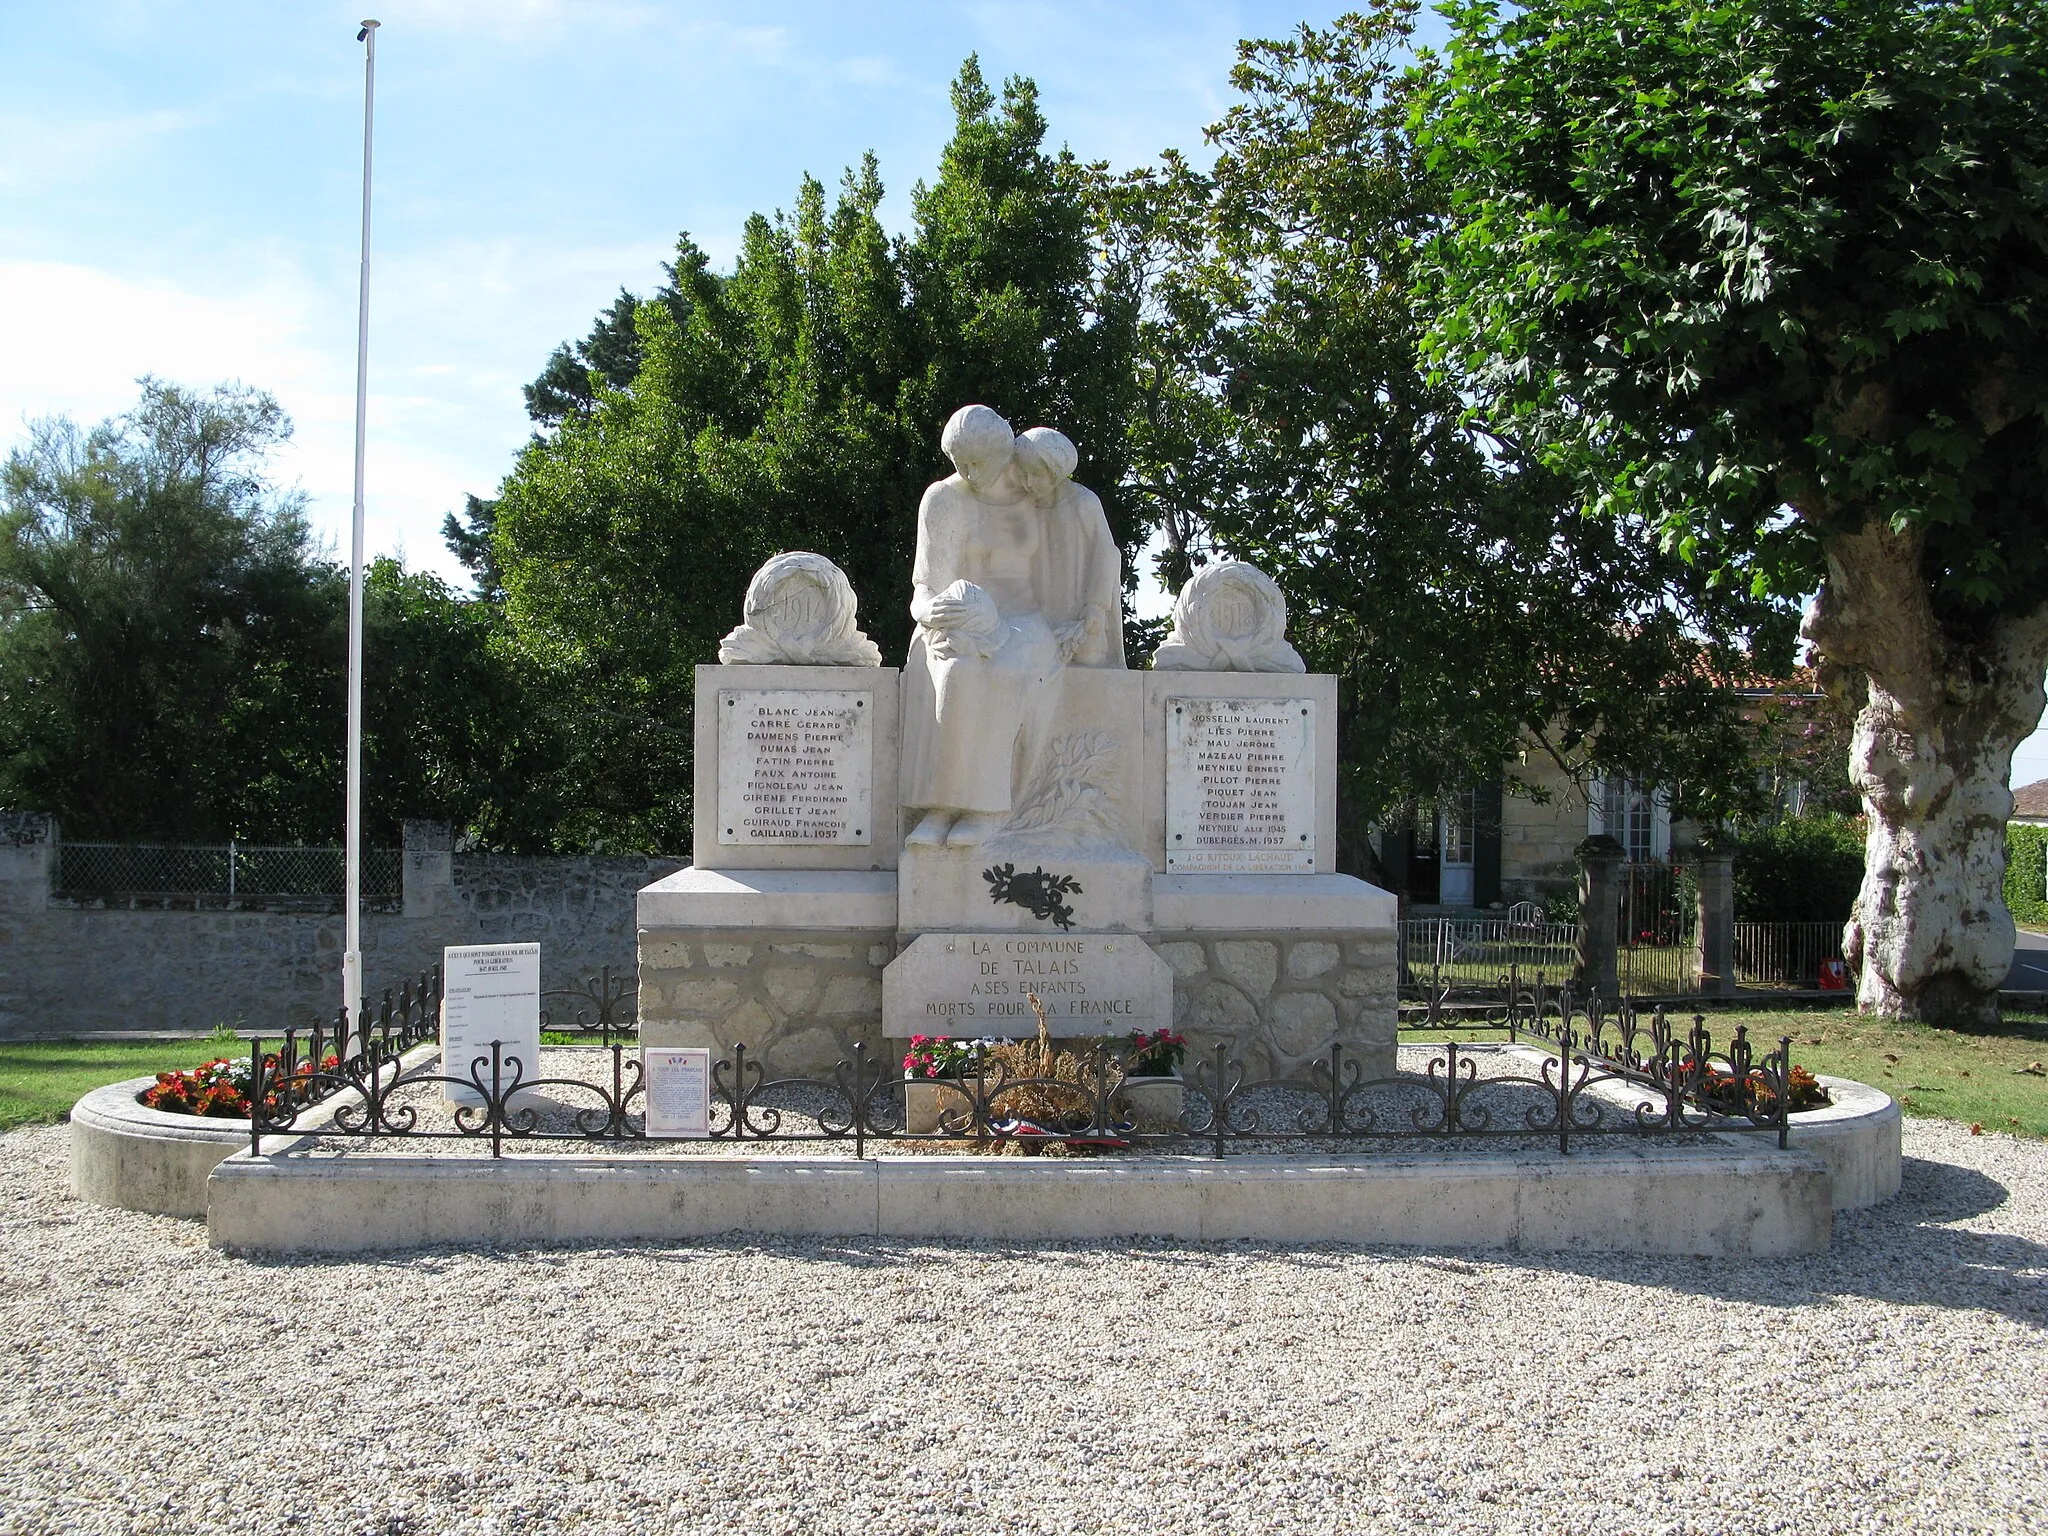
352,855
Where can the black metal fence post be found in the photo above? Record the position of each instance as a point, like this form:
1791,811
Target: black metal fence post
1784,1092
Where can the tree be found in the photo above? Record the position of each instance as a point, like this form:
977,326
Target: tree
172,650
1286,416
793,403
162,628
1773,278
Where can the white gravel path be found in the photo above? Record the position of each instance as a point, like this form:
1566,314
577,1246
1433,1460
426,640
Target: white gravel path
1897,1383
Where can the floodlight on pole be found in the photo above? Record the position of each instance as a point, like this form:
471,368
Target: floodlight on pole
352,835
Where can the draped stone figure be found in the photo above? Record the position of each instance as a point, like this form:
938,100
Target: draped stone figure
1016,578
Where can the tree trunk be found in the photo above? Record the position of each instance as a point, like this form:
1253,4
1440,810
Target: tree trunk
1937,719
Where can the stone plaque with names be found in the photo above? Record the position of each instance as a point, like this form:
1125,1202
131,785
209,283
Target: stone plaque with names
489,992
1241,786
795,766
975,985
678,1080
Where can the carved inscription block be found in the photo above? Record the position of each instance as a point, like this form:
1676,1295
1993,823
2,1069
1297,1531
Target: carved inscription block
1241,786
795,765
975,985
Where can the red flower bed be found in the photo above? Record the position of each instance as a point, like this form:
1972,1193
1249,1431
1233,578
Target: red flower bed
219,1090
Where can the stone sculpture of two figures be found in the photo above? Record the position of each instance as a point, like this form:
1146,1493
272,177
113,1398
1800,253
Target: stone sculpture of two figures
1016,579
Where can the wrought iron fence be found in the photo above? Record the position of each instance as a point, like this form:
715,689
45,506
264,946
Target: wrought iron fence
234,871
1595,1075
1785,954
604,1006
314,1064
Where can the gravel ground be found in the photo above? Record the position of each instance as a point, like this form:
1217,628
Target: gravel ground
1893,1384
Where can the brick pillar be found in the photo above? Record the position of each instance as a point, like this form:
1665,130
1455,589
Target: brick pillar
1599,859
1716,926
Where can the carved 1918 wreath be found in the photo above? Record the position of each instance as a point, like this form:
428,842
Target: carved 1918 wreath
1038,892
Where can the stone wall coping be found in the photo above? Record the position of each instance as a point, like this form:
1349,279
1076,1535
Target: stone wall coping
1332,903
862,900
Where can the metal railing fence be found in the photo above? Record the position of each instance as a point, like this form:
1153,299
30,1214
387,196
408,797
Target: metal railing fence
1784,954
233,871
1443,952
1588,1072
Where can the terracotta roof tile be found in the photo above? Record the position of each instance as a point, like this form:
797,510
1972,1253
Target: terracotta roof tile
2031,800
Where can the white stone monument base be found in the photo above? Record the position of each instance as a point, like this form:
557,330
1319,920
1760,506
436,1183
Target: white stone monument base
790,963
945,889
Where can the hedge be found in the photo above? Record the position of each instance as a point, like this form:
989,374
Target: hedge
1806,869
2026,869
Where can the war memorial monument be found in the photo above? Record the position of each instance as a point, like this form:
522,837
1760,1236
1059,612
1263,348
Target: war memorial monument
884,853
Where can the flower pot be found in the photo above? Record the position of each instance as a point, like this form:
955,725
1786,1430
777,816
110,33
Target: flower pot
1154,1103
933,1103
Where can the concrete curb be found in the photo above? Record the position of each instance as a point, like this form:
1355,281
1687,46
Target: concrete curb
1724,1197
1858,1137
127,1155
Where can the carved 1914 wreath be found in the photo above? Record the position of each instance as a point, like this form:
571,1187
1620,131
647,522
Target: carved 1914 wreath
1038,892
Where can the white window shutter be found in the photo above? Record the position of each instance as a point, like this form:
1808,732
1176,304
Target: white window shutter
1596,805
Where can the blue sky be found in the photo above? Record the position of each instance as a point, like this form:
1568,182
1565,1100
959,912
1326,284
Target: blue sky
179,185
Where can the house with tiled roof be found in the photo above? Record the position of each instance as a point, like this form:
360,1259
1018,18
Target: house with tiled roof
2030,803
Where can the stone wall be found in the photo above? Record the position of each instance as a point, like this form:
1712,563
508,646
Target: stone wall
69,968
1280,1000
798,1000
1537,838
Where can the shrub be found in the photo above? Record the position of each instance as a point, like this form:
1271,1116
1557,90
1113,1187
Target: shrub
2026,869
1806,869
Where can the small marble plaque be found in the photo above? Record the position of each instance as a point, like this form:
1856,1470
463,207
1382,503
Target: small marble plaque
971,985
678,1080
795,766
489,992
1241,786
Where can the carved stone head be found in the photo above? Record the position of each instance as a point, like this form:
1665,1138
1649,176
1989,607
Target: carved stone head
1045,460
980,444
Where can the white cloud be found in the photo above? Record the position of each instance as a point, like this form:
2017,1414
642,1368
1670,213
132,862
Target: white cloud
454,333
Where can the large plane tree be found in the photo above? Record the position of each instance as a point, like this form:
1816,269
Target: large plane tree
1773,275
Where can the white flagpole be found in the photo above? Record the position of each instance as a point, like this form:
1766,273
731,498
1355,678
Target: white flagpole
352,856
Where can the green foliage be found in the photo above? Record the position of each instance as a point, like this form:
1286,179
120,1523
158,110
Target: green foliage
1804,869
173,650
1285,416
164,632
2026,874
794,403
1714,261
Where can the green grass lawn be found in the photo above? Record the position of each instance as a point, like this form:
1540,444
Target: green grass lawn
41,1080
1977,1077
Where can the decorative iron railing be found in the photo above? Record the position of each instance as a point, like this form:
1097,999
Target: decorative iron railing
1593,1075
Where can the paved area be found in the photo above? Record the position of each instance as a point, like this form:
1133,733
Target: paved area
2029,971
1892,1384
